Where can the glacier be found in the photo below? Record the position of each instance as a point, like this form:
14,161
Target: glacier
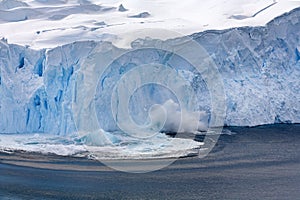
260,67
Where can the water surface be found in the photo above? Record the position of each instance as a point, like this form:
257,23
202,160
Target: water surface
255,163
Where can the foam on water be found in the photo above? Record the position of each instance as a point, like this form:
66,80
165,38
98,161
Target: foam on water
122,147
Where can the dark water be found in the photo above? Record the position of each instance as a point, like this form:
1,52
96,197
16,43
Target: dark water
256,163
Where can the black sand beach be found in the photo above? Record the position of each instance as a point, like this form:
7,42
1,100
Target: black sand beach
255,163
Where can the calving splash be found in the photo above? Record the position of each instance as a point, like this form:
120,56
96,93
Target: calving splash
141,95
114,145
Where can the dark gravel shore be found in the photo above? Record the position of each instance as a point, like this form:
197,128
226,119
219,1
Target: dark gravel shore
255,163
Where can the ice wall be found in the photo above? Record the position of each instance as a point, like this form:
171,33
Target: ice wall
36,87
260,67
261,70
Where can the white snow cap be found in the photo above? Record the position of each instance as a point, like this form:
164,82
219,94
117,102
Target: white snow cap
47,24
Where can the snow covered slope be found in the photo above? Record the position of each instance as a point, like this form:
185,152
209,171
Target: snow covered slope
260,67
49,23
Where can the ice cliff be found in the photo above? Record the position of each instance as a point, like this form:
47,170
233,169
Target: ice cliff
260,67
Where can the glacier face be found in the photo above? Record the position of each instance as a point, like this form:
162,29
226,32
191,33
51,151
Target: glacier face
260,67
36,88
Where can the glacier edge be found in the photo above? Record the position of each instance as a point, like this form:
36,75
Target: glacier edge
260,67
